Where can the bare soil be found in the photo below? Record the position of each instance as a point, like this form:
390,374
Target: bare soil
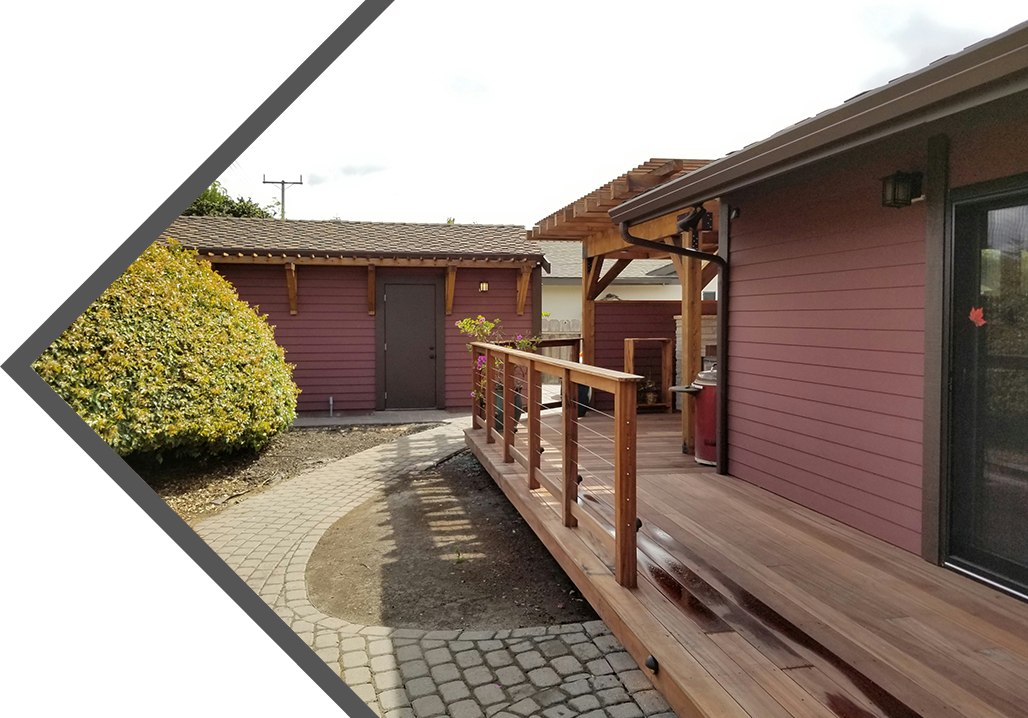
198,489
441,549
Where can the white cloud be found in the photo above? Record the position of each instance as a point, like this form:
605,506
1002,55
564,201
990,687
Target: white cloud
360,170
505,114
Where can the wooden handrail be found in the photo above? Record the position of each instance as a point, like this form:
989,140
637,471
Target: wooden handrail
621,384
582,371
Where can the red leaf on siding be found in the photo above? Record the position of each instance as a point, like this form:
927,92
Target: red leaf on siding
976,316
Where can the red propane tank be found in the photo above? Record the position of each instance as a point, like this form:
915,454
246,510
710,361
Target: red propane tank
706,417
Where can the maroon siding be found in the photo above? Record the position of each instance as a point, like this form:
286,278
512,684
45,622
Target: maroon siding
620,320
331,339
826,327
500,302
826,345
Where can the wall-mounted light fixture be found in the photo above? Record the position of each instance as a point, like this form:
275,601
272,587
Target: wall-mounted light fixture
901,188
483,286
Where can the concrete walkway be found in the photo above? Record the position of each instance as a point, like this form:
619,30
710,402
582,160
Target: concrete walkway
550,671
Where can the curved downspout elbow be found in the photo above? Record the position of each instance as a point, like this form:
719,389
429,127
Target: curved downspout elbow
722,327
717,259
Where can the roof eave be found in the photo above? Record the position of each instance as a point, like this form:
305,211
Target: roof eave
515,256
987,71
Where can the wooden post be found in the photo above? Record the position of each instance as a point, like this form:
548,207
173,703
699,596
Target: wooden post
534,398
476,377
508,409
692,320
590,276
291,286
569,415
667,375
371,289
624,484
451,284
629,356
490,398
524,279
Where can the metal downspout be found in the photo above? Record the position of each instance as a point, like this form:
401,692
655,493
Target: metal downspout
722,314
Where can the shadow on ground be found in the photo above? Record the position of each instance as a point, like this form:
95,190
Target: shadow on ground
441,549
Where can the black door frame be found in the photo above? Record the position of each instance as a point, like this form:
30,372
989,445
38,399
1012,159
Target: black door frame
412,276
939,348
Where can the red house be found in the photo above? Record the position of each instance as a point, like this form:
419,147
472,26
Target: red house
862,244
861,548
367,310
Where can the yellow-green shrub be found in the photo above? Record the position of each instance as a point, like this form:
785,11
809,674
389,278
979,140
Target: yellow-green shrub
168,360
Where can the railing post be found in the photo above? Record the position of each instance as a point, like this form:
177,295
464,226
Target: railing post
534,400
624,483
476,377
490,398
569,415
508,409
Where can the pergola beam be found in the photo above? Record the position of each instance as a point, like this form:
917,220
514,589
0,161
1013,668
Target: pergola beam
590,213
609,276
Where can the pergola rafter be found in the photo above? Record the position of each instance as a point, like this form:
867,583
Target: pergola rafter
587,220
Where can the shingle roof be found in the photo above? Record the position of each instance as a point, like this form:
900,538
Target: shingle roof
565,259
351,238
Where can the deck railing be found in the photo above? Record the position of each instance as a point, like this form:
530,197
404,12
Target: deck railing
499,366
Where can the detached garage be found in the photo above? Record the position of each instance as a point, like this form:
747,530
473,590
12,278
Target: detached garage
367,310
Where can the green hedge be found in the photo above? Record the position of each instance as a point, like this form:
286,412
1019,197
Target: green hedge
169,361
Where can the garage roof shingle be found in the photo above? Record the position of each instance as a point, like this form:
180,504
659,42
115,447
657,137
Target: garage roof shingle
350,238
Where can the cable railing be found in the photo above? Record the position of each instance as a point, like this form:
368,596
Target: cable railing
511,377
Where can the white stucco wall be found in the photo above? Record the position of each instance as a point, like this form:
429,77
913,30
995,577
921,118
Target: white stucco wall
564,301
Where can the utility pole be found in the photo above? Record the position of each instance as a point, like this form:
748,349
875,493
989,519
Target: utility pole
282,184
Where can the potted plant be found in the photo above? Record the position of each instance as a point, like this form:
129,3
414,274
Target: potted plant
480,329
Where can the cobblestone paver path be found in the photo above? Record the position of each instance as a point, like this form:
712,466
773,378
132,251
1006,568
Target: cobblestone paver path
552,672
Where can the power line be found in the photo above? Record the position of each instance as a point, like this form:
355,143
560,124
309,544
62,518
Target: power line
282,184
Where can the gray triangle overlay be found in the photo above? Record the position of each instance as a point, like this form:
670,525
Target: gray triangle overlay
112,602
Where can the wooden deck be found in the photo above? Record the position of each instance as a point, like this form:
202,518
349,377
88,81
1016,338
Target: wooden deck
754,606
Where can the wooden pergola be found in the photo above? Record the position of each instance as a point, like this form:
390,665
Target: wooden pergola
452,262
587,220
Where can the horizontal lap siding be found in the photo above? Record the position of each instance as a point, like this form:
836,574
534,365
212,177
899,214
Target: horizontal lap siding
826,348
500,302
331,338
620,320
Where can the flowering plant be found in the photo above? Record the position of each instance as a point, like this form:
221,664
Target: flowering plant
480,329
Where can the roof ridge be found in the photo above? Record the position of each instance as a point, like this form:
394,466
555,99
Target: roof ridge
192,217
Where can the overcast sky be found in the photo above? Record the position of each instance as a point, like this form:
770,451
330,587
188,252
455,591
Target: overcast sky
503,113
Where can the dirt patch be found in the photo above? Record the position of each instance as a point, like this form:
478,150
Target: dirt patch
198,489
442,549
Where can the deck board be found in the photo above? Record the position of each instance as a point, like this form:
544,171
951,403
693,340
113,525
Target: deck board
772,609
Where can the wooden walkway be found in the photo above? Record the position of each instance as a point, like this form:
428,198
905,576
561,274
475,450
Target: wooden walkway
755,606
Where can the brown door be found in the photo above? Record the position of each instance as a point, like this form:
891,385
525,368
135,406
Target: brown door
988,497
410,351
